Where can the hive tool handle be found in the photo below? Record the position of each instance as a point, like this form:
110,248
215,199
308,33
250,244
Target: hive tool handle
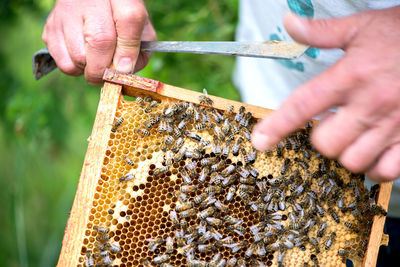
42,63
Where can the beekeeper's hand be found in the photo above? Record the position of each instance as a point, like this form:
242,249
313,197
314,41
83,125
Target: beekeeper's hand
85,36
364,133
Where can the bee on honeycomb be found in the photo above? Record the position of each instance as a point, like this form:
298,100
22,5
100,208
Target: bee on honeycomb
186,188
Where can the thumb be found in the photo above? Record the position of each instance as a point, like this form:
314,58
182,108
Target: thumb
130,17
323,33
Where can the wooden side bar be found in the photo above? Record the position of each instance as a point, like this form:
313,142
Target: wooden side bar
74,232
371,255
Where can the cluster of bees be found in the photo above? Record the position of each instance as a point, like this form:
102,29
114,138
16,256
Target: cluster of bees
294,208
104,247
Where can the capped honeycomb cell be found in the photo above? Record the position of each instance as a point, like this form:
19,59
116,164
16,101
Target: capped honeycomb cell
181,185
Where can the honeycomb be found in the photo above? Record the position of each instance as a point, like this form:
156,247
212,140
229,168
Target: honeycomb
181,185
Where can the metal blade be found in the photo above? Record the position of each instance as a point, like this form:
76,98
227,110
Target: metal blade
43,63
271,49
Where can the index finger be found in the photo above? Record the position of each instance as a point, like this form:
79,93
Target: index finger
319,94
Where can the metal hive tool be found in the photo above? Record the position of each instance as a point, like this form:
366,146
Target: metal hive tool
142,200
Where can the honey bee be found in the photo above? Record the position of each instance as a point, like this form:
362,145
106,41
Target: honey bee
101,230
237,228
188,213
214,221
171,110
244,172
114,248
160,171
374,191
169,245
215,189
142,132
226,149
228,170
216,115
248,180
285,166
181,206
321,229
178,156
207,161
117,122
377,210
218,166
250,250
223,208
243,195
334,215
231,193
305,153
245,156
204,99
185,177
206,213
344,253
140,101
90,260
226,127
217,257
244,122
106,260
240,114
200,126
232,220
281,255
168,140
188,188
253,171
200,198
235,129
129,176
203,174
330,241
236,146
246,133
279,150
193,136
206,248
161,259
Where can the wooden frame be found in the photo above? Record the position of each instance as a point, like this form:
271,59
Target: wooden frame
116,85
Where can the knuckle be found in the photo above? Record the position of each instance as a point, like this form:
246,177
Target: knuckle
79,59
135,14
100,39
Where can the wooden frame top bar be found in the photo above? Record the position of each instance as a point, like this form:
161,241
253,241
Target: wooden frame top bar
135,86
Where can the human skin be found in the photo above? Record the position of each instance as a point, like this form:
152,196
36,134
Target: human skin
86,36
364,85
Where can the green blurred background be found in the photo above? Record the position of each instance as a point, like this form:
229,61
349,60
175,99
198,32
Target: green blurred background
44,125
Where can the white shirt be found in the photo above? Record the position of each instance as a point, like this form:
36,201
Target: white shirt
265,82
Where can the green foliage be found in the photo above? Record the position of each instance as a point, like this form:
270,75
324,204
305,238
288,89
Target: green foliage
44,124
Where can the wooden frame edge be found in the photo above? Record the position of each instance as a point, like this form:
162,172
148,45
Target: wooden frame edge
90,174
135,85
374,242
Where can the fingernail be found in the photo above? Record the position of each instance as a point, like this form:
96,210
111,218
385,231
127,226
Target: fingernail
260,141
125,64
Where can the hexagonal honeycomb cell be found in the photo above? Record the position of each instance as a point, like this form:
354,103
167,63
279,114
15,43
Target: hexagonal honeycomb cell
181,186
